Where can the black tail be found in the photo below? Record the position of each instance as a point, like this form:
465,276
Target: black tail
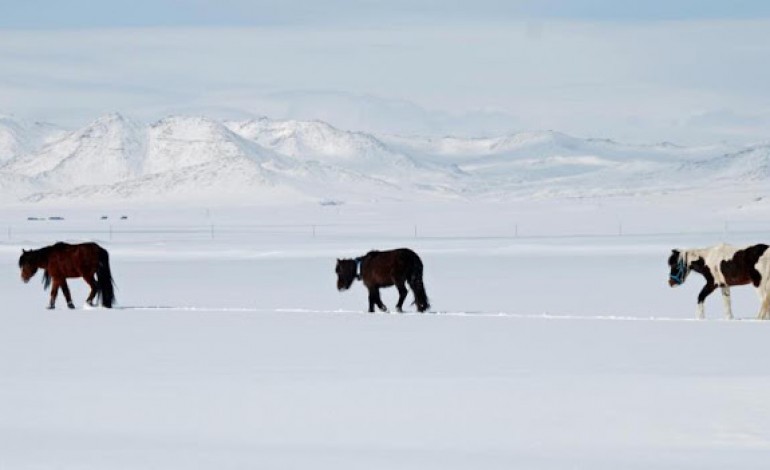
415,282
105,285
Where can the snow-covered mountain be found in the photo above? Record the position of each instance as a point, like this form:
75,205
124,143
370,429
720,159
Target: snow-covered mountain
18,137
107,151
751,164
319,141
195,158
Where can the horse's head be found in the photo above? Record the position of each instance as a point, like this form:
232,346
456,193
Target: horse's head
677,263
28,265
346,273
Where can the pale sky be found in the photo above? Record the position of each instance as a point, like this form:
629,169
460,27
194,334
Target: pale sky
687,71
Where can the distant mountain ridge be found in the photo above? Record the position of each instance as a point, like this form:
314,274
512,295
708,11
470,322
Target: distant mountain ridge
18,136
265,161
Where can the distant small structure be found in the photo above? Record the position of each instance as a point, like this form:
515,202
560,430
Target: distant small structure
331,202
123,217
55,217
104,217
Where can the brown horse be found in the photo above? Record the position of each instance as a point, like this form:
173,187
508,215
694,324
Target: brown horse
384,269
63,260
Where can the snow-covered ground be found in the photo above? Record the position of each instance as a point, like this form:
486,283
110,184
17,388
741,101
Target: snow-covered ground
554,341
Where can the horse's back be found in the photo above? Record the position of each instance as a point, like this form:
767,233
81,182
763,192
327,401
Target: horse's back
396,255
748,255
90,246
86,246
72,260
383,267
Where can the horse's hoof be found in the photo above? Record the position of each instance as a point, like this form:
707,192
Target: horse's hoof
71,305
50,307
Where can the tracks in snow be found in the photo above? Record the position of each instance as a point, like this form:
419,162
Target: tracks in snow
466,314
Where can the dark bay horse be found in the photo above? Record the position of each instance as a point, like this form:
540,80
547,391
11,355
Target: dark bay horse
724,266
384,269
62,260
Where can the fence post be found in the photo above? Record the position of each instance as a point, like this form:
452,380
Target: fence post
212,231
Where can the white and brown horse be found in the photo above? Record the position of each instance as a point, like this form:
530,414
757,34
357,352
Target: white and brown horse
724,266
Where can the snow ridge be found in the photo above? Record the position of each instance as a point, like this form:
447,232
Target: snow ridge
195,158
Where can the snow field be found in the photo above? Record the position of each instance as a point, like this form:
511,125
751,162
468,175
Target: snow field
238,352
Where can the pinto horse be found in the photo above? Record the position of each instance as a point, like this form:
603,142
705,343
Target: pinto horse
384,269
724,266
62,260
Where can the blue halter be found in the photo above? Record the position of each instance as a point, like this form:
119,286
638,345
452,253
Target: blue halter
678,278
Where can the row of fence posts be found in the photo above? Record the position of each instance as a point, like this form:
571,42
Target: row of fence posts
314,231
212,231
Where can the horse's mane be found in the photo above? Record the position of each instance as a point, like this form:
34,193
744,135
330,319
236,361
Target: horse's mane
720,251
676,255
39,258
36,257
690,254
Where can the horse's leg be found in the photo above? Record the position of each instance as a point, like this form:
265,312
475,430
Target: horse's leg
764,309
707,289
764,303
92,284
401,295
66,290
54,293
728,304
372,298
379,302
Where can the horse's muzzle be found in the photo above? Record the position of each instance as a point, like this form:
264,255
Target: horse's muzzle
671,283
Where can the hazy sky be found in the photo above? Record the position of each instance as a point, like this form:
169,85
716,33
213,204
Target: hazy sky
42,14
685,71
